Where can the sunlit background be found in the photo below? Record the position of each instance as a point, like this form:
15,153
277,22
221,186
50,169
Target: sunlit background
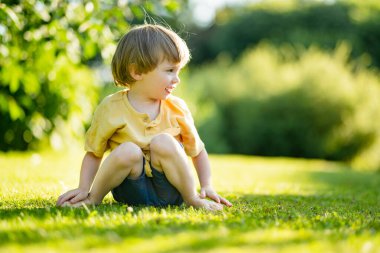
267,78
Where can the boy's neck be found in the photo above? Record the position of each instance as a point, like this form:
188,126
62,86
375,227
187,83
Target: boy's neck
144,104
138,98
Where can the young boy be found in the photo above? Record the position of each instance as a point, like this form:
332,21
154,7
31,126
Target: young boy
149,131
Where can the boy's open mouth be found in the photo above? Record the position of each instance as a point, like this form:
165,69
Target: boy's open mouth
169,89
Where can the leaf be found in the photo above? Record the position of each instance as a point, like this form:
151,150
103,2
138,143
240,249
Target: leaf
172,6
137,12
31,84
15,111
3,103
14,83
11,14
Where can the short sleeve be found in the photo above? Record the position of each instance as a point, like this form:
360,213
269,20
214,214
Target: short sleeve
100,131
190,138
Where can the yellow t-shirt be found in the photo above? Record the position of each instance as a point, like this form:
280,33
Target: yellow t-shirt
115,121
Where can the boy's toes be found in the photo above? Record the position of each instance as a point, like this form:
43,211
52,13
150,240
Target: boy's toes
212,206
217,207
205,204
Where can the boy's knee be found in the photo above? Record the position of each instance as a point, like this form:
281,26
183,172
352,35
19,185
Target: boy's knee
128,153
164,144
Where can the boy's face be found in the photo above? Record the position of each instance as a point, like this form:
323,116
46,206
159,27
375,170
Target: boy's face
161,81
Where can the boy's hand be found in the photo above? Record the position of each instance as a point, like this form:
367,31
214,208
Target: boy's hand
72,196
208,191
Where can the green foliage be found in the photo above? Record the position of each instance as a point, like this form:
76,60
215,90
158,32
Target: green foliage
47,91
295,22
283,99
280,205
277,102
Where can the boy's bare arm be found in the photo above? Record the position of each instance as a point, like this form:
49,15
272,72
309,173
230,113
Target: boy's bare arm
203,168
90,166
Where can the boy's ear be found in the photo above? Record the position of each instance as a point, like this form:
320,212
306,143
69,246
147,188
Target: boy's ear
134,72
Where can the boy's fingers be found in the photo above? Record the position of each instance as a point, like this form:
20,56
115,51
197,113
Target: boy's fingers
214,197
225,201
63,198
59,201
79,197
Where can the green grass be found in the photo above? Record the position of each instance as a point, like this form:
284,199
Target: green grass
280,205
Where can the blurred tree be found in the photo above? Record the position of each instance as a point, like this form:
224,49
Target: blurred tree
303,23
281,101
46,49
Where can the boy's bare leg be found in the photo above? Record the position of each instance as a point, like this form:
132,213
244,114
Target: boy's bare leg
124,161
169,157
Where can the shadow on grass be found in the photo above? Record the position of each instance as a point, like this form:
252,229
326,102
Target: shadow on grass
250,213
348,203
216,242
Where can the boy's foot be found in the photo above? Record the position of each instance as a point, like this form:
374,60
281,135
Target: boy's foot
197,202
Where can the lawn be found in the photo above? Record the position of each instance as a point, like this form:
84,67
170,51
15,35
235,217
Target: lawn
280,205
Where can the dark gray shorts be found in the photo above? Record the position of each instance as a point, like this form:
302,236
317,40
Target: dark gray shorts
148,191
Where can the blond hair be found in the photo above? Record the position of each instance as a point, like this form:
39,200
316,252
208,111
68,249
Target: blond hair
144,47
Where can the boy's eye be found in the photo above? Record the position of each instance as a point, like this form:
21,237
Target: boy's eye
170,70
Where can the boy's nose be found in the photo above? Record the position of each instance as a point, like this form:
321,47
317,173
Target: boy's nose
176,80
